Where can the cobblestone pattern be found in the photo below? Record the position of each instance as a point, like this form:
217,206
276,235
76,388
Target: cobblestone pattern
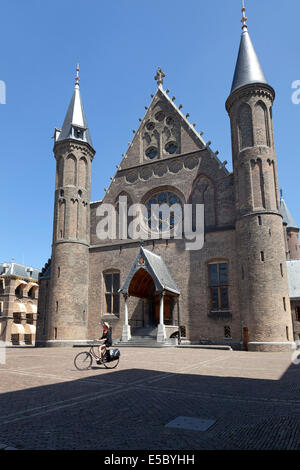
45,403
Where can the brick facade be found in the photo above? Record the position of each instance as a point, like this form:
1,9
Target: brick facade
244,232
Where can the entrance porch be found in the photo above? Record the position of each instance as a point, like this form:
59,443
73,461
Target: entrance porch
150,281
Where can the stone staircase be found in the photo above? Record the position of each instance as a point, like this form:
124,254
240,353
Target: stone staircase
144,338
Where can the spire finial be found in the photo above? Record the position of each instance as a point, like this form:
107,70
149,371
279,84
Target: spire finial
159,77
77,76
244,19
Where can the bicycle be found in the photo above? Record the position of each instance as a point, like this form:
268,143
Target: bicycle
84,359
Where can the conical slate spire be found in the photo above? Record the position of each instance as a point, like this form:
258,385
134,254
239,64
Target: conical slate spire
75,124
248,69
287,217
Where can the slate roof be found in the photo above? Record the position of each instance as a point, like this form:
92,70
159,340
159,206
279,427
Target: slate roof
248,69
157,269
20,270
75,117
293,269
287,218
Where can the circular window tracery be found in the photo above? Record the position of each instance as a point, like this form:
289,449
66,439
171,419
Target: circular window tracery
150,126
160,116
170,121
151,152
171,147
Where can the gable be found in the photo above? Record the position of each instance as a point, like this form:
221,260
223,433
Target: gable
164,132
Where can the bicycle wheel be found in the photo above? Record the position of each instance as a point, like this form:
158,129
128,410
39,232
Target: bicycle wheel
83,360
111,364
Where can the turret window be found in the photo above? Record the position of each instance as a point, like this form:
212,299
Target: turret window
245,126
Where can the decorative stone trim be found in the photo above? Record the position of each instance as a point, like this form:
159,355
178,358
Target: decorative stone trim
262,90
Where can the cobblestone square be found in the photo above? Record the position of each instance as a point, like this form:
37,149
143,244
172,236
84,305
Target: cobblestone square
45,403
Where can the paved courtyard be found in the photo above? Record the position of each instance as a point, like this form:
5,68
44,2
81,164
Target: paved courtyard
252,398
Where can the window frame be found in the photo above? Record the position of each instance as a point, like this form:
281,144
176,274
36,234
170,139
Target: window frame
112,293
219,286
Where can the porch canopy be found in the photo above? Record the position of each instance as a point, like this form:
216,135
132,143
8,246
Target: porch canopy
148,274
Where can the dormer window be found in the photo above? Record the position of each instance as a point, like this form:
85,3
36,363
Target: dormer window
78,132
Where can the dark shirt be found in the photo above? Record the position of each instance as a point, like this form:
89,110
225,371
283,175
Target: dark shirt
107,336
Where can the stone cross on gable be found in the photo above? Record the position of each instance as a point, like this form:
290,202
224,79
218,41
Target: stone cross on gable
159,77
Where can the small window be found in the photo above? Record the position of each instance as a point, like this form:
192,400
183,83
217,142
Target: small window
171,147
112,296
56,306
227,332
281,270
287,333
55,333
160,116
29,318
284,303
17,317
218,285
151,152
58,271
262,256
259,220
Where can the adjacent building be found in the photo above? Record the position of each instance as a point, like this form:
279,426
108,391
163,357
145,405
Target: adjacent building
19,291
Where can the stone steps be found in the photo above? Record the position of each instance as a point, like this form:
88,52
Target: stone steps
144,342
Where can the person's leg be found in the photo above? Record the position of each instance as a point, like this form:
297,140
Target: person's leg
102,351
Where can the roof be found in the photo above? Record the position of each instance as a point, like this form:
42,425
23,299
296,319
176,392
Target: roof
46,271
287,218
248,69
156,267
75,119
19,270
293,270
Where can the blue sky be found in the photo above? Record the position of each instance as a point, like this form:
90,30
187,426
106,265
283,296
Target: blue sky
119,45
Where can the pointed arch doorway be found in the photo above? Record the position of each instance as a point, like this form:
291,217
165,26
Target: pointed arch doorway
142,286
149,279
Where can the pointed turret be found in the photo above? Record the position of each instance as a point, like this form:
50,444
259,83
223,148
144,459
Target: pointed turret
75,124
248,68
68,291
287,217
291,230
261,247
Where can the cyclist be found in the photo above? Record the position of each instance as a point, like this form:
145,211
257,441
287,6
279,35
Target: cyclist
106,339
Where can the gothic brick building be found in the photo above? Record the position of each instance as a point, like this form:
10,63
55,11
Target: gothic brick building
234,289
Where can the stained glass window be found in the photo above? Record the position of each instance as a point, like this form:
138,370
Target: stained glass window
163,220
